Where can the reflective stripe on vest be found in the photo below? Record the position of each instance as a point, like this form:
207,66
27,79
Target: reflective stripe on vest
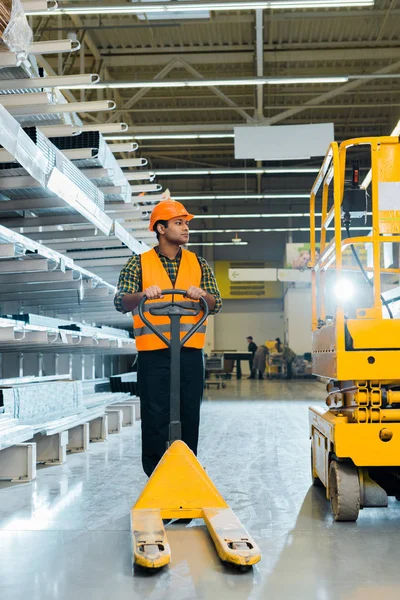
154,273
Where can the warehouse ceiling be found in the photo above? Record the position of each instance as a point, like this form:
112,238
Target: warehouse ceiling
223,45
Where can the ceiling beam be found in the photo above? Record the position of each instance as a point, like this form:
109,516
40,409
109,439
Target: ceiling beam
142,92
293,53
337,91
197,108
218,93
235,55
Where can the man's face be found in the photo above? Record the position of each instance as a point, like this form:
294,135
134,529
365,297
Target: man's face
305,257
177,231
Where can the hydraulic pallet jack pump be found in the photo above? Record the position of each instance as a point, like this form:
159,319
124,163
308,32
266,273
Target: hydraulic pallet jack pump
355,441
179,486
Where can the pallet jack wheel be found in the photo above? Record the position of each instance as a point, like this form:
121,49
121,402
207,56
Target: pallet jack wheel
344,491
315,480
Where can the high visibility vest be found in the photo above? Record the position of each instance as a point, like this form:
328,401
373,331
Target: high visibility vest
154,273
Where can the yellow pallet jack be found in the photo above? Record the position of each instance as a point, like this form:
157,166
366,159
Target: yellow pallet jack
179,486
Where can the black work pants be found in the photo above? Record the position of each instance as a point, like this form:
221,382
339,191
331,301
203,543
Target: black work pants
154,391
289,371
252,371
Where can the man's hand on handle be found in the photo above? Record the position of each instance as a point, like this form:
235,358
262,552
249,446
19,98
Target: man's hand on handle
131,301
195,293
153,292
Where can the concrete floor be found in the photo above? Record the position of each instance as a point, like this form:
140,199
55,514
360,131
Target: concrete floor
66,535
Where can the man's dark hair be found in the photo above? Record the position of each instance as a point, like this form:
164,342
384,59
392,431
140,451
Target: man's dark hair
249,337
160,222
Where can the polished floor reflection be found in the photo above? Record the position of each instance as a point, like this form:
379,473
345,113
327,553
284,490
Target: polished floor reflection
66,535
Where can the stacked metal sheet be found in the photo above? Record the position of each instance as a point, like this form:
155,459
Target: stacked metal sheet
56,159
39,320
45,401
92,401
98,155
11,432
115,331
91,386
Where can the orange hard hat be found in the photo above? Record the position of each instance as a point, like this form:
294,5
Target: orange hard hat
168,209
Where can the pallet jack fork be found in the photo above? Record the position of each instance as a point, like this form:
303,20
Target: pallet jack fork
179,487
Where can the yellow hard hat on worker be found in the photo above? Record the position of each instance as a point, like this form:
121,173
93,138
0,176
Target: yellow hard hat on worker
168,209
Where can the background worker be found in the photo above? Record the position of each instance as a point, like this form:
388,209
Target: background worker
259,362
288,356
252,347
166,266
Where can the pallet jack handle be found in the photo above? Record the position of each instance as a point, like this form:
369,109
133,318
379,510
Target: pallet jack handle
174,310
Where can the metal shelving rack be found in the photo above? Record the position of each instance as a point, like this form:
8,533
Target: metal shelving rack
64,199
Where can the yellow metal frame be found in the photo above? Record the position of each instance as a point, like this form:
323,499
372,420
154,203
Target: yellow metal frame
330,337
359,425
180,488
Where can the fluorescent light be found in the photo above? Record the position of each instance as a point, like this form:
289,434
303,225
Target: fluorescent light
194,83
260,216
119,138
217,244
264,230
300,80
281,158
368,178
257,216
243,197
183,136
146,8
186,172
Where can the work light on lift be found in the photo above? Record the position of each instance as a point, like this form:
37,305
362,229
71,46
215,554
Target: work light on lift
344,289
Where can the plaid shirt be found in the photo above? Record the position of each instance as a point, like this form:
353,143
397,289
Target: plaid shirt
130,278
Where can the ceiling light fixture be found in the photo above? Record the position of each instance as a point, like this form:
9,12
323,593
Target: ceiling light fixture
183,136
264,230
146,8
270,171
311,80
119,138
257,216
261,216
217,243
195,83
243,197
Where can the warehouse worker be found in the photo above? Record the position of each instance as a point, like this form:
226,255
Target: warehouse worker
260,359
166,266
288,356
251,347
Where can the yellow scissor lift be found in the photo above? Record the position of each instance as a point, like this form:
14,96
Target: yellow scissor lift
355,443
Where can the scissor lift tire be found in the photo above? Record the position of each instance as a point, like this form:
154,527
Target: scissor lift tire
344,491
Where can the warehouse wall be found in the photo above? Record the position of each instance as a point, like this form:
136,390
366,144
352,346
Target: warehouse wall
263,319
298,319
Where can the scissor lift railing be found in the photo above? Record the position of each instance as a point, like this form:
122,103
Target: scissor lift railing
373,354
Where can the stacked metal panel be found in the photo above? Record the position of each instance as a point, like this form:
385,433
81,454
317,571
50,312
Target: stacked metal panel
98,155
49,401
